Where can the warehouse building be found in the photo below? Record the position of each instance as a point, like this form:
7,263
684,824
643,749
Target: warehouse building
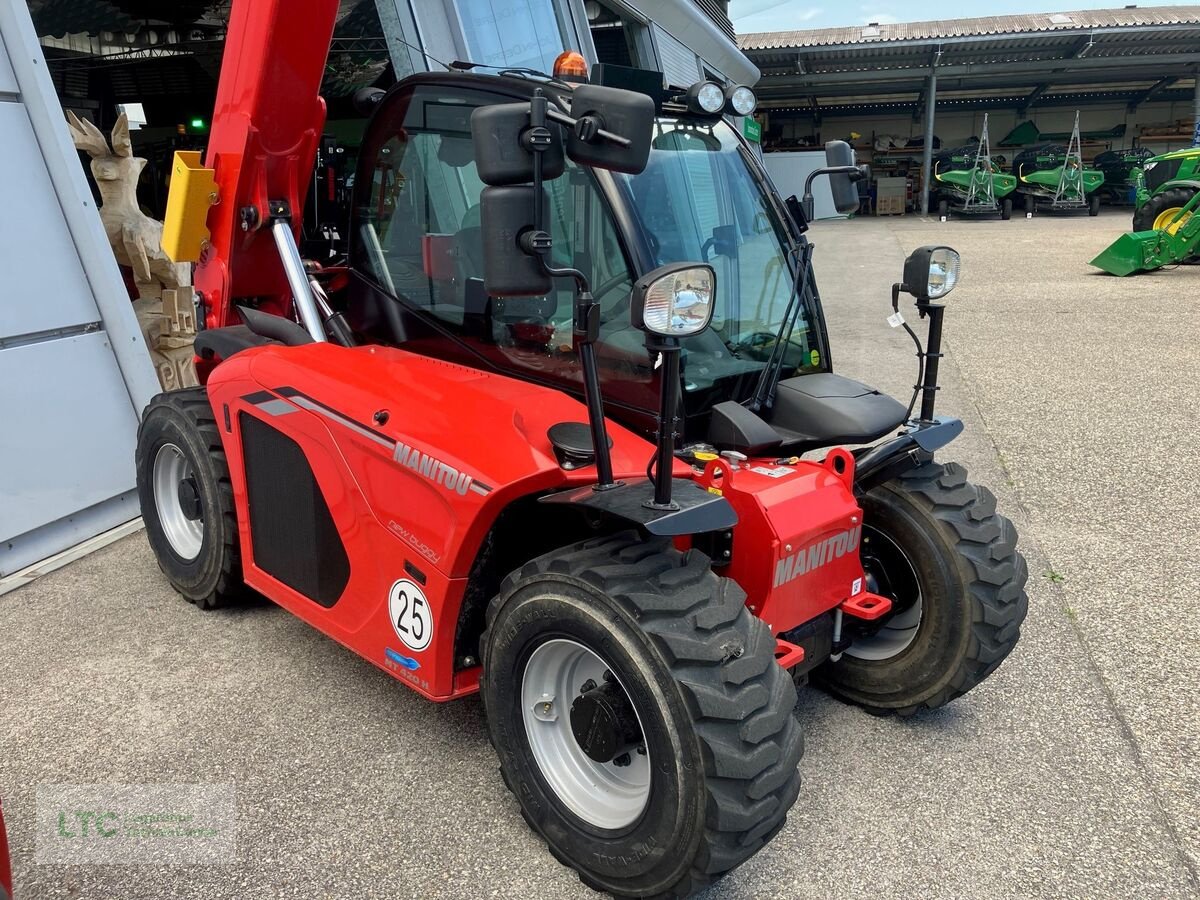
906,90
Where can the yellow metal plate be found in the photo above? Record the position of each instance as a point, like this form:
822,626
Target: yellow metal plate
193,191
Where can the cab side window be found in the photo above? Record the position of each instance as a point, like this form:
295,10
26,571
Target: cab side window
421,240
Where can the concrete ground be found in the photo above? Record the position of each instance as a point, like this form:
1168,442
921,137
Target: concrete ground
1073,772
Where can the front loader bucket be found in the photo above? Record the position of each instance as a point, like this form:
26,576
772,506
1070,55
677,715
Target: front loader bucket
1138,251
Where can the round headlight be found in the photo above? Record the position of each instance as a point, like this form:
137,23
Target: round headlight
706,97
675,300
943,272
742,100
931,272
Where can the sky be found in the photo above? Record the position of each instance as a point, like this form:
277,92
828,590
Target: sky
785,15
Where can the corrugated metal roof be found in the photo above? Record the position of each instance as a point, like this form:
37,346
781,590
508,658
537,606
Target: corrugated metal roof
981,27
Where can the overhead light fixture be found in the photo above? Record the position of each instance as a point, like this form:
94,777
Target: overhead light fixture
706,97
741,100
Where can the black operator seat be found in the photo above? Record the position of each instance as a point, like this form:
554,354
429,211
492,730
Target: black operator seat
810,412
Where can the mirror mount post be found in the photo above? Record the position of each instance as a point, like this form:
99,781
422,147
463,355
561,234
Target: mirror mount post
668,420
933,356
537,242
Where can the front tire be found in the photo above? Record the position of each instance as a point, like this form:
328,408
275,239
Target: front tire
943,210
934,543
1094,205
1006,209
187,499
703,768
1160,210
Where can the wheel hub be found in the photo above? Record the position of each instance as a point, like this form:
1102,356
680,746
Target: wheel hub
890,573
592,755
177,502
189,498
604,723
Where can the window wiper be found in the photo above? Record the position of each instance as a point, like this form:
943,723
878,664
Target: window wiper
764,392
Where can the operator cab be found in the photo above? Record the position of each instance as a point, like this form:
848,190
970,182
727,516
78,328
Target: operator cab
417,270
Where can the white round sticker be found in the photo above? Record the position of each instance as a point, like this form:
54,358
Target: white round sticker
410,615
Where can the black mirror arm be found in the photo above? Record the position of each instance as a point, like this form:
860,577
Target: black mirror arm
588,128
854,172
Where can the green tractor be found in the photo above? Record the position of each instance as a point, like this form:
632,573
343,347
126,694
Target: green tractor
1165,186
1166,224
969,179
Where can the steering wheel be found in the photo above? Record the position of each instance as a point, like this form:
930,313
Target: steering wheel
757,340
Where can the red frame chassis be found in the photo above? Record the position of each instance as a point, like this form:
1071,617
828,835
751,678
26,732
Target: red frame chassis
360,416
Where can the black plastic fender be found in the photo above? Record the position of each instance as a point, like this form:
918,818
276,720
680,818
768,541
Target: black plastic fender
907,450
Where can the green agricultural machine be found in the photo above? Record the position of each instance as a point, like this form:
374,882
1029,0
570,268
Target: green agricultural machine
1167,183
1122,170
1167,221
968,180
1052,176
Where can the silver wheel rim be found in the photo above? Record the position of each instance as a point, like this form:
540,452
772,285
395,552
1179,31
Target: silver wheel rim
898,633
171,469
604,795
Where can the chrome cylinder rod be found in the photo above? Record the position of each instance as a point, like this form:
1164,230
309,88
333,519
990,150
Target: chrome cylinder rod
293,268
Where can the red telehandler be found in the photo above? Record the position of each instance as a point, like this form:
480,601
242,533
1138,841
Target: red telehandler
541,438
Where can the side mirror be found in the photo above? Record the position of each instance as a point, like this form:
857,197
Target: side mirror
845,193
931,272
499,134
366,99
626,114
507,214
675,300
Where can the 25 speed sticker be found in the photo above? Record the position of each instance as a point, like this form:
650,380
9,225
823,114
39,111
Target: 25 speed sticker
409,612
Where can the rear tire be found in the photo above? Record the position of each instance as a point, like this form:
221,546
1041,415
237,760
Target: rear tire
187,499
1006,209
713,714
934,543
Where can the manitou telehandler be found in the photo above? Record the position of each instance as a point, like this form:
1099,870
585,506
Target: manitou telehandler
542,438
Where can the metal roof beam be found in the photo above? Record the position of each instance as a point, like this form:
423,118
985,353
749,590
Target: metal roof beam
983,70
1125,30
1017,85
1145,95
1032,98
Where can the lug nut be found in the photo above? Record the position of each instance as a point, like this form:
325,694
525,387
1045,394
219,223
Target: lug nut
622,760
588,685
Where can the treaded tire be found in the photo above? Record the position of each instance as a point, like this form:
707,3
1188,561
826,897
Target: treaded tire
184,418
943,209
700,670
972,582
1143,219
1006,209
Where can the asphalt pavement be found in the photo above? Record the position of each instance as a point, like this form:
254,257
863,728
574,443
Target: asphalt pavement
1073,772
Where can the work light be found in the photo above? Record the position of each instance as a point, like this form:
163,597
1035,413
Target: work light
675,300
706,97
931,273
741,100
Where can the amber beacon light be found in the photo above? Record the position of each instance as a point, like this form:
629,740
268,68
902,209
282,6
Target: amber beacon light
571,65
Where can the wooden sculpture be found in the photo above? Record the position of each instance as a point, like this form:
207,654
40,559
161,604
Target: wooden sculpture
164,306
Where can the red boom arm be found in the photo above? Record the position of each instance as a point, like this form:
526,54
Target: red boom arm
265,130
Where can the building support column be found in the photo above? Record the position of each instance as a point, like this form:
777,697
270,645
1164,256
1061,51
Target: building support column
927,154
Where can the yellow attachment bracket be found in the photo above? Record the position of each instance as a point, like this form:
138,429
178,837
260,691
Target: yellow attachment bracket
193,191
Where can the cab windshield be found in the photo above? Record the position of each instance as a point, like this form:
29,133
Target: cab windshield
697,200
